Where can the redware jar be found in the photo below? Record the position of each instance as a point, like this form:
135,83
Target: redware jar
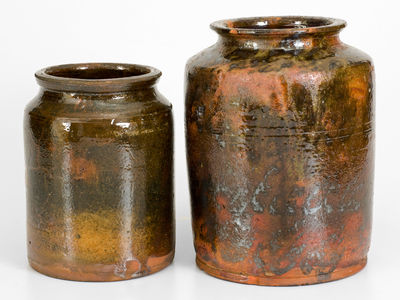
98,148
280,147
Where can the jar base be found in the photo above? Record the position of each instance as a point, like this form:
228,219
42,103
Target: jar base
101,272
337,274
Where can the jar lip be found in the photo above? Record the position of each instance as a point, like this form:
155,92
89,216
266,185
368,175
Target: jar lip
277,25
97,77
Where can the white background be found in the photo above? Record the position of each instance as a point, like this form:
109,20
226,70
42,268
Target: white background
164,34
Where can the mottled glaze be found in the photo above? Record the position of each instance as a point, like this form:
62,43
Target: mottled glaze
280,149
98,148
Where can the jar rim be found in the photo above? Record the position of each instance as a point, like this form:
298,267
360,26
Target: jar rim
277,25
97,77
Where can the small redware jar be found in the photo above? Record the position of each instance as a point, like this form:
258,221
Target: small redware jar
98,148
280,148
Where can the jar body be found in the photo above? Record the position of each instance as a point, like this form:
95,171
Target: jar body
99,184
280,146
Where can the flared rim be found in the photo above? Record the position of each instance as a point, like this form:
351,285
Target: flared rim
97,77
278,25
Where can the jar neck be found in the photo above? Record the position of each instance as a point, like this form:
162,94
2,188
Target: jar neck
283,42
143,94
285,33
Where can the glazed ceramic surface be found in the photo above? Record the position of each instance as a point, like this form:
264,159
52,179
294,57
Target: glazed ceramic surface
98,147
280,146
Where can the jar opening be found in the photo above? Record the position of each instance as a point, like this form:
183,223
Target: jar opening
84,72
277,25
97,77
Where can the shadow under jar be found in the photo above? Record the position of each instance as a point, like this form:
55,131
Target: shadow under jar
98,149
280,149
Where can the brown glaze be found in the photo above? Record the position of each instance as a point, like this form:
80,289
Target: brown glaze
280,144
98,148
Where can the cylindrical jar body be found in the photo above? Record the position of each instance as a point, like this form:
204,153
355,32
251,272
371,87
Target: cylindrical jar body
280,149
99,173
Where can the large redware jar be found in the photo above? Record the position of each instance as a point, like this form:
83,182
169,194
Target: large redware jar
280,146
98,148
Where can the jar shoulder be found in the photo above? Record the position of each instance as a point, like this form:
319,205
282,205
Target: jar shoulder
322,91
68,117
354,55
218,58
64,126
89,107
207,58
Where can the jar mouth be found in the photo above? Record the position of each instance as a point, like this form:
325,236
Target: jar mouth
97,77
282,25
